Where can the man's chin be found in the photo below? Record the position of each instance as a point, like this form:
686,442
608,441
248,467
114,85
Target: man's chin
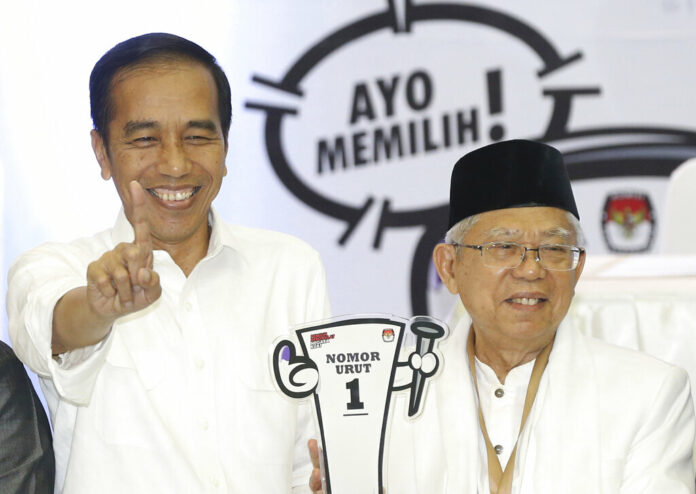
176,233
527,330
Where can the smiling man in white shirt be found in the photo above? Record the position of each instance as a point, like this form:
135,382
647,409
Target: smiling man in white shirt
151,338
526,403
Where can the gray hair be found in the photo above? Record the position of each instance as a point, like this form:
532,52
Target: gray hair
457,233
580,239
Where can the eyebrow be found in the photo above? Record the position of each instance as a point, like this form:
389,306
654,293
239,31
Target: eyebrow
558,232
503,232
203,124
511,232
132,127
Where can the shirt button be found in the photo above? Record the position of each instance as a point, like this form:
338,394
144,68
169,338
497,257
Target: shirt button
498,449
499,392
215,482
200,363
188,306
204,424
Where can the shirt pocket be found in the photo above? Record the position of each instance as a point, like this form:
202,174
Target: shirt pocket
127,411
266,419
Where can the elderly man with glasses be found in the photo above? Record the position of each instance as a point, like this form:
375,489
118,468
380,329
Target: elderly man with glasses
526,403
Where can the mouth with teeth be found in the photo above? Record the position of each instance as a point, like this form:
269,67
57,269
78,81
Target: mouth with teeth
173,196
526,300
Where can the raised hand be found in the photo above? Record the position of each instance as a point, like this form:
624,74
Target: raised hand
122,280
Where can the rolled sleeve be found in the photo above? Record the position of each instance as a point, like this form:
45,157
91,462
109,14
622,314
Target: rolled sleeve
36,282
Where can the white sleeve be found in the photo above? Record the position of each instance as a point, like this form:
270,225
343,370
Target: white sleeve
302,465
36,281
660,460
318,305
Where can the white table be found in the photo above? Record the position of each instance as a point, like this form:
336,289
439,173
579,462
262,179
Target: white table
647,303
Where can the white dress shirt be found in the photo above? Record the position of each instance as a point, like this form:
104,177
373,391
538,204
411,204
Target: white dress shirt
605,420
502,405
178,398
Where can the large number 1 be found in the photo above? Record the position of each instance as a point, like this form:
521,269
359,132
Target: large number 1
354,403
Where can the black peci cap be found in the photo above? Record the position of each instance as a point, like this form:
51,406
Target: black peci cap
509,174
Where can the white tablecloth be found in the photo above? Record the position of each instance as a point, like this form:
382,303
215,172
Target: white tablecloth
647,303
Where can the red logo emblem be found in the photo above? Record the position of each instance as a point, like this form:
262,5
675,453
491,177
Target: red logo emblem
628,222
321,337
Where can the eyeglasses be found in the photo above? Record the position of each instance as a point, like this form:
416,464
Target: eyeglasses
554,257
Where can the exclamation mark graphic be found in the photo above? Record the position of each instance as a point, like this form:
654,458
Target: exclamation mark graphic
494,81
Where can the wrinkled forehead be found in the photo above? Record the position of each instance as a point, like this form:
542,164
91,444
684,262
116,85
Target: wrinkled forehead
542,224
143,70
154,67
556,233
157,62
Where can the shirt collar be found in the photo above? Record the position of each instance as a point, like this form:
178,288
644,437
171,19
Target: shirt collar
220,237
122,230
517,378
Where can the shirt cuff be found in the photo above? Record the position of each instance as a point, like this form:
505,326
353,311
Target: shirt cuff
73,373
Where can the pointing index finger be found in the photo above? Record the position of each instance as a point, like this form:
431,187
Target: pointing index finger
139,216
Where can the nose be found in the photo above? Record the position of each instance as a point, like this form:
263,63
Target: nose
530,267
536,254
173,160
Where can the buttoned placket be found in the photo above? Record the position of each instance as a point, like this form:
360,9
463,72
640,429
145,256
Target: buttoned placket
201,382
502,405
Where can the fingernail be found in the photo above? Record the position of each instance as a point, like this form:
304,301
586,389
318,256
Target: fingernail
128,305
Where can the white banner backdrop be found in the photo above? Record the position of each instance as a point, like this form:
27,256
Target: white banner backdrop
348,117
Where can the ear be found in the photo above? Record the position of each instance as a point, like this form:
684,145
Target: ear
224,159
444,258
99,148
580,267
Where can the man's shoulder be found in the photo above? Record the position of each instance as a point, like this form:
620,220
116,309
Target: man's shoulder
260,241
11,369
6,353
100,241
625,366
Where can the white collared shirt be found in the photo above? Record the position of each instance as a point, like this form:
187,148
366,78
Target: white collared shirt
502,405
178,398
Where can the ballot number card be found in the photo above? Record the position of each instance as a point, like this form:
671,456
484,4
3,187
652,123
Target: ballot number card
349,367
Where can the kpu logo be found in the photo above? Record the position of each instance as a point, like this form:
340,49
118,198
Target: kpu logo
628,224
379,110
318,339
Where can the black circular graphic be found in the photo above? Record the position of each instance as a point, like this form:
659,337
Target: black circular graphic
656,153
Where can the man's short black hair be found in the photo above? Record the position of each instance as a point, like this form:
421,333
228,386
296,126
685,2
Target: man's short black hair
148,48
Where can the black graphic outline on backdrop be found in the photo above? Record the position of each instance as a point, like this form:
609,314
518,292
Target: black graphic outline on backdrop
665,149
